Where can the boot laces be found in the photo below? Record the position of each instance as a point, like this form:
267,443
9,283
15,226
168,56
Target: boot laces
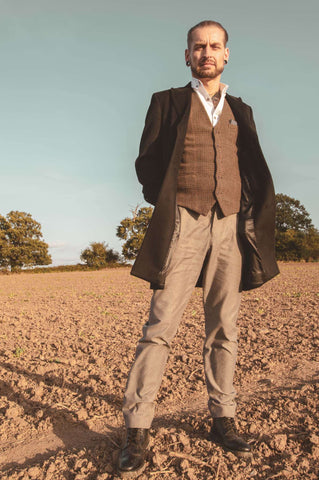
230,425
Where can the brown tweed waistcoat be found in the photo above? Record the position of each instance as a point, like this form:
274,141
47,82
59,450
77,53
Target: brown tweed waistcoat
209,169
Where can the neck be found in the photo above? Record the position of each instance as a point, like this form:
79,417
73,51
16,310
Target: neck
211,85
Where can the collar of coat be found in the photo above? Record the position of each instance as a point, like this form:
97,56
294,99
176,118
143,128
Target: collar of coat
181,98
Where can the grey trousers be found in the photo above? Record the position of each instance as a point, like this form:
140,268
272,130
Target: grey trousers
197,239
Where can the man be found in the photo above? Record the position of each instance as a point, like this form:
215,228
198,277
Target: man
201,165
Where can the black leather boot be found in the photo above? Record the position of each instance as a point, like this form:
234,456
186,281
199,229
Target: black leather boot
224,433
132,455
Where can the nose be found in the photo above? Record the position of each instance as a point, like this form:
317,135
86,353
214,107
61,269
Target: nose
207,51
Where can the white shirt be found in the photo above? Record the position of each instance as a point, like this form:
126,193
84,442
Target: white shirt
212,112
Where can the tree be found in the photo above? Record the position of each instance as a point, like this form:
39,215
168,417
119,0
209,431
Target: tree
291,214
98,255
132,230
289,245
310,246
296,237
20,242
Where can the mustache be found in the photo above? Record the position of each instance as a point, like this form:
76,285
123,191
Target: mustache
207,61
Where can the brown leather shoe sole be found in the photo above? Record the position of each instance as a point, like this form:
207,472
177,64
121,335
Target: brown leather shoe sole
134,474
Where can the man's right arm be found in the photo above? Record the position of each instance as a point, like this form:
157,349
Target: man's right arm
148,165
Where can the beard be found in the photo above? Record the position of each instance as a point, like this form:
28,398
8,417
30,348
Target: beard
204,73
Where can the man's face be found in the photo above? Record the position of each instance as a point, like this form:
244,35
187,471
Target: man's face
207,52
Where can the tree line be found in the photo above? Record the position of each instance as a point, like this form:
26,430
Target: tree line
22,244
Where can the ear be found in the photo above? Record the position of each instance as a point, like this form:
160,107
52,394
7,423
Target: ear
187,55
226,55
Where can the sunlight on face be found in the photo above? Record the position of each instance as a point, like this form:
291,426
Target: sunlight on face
207,52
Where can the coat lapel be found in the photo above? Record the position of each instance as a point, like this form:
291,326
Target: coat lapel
181,100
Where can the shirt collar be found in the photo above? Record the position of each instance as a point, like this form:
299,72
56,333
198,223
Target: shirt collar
197,85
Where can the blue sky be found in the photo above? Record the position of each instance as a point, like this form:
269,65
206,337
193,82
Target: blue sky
76,81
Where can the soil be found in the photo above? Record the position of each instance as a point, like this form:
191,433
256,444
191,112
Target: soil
67,343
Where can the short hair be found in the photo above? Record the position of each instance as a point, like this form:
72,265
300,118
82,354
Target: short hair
206,23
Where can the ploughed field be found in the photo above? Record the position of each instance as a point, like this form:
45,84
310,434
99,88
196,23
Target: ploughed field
67,343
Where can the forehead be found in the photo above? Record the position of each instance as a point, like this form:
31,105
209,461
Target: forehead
208,34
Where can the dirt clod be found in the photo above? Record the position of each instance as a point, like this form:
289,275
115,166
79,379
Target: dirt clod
279,442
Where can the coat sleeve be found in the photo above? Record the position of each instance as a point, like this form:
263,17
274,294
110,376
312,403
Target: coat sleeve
148,163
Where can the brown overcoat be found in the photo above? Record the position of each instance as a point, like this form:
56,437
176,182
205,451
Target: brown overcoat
157,167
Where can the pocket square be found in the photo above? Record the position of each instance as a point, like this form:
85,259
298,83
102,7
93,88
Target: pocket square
232,122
